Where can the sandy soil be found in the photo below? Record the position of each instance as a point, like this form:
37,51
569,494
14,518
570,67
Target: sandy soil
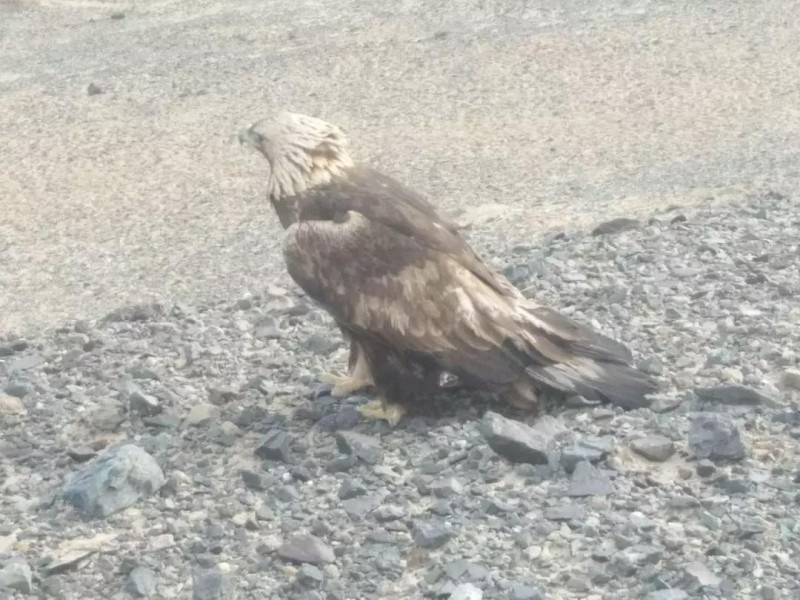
522,116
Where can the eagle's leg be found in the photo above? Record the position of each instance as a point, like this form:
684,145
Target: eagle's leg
381,408
359,378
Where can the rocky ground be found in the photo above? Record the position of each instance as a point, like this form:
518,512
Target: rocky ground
188,451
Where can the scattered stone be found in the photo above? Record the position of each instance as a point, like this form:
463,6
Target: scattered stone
210,584
361,446
18,389
275,446
588,480
254,481
70,553
672,594
616,226
705,468
11,405
222,395
113,481
144,404
141,583
519,442
309,576
715,436
361,506
699,576
790,379
654,447
466,591
525,592
733,395
306,549
16,575
431,535
81,454
446,488
593,449
202,414
664,403
351,489
565,512
116,16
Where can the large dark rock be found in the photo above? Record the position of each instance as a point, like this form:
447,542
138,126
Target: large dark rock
715,436
519,442
113,481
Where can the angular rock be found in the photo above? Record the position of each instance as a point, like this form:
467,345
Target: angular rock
657,448
351,489
113,481
525,592
673,594
593,449
254,481
202,414
588,480
565,512
141,583
466,591
733,395
144,404
715,436
616,226
361,446
222,395
16,575
431,534
705,468
519,442
18,389
275,446
309,575
306,549
361,506
11,405
698,576
136,312
790,379
446,488
210,584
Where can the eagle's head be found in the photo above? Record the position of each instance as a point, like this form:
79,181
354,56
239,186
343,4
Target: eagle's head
303,152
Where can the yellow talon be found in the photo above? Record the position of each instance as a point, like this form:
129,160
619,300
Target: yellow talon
344,386
380,409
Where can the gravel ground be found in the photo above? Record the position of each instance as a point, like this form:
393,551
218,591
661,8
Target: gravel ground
120,180
187,451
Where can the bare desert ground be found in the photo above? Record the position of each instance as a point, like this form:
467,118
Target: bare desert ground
121,181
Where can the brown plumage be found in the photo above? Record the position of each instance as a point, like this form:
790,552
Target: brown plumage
405,286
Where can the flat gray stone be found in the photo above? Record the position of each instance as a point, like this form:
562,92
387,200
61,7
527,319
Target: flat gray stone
588,480
17,575
113,481
306,549
657,448
141,583
667,595
467,591
734,395
431,534
210,584
519,442
715,436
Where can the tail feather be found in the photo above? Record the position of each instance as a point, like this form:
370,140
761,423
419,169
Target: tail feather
616,383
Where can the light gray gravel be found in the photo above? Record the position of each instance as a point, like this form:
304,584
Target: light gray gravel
120,180
274,489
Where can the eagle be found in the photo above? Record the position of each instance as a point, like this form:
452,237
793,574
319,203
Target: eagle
415,300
